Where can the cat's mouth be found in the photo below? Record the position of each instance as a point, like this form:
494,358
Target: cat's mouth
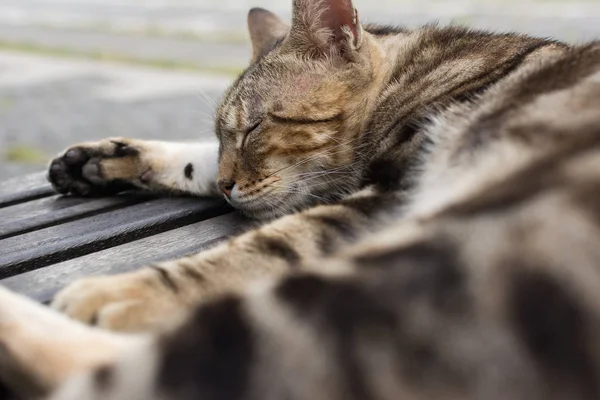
280,200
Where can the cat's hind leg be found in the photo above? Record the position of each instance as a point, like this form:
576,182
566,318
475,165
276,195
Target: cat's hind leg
40,349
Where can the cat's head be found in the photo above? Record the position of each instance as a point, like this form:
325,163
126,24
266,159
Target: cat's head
290,126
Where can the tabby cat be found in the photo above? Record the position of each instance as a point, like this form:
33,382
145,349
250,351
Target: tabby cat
433,197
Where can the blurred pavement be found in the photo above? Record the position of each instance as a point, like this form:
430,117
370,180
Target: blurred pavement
73,70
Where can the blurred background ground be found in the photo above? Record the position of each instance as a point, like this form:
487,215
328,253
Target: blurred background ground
74,70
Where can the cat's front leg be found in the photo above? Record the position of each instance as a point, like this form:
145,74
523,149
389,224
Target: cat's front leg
112,165
154,296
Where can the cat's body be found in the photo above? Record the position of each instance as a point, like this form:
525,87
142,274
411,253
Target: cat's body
456,256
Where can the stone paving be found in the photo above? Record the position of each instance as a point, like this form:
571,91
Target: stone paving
48,102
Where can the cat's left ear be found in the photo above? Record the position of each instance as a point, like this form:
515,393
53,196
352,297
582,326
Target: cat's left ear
266,29
327,26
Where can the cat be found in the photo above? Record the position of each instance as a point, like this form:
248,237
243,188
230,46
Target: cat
431,229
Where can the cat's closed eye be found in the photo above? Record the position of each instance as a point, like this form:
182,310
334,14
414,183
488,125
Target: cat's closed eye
253,127
304,120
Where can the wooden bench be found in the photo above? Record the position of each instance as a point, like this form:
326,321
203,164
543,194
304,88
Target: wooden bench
47,240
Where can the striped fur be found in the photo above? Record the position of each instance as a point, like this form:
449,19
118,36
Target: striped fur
436,231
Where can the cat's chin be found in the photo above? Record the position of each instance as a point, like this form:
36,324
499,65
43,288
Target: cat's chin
262,215
273,208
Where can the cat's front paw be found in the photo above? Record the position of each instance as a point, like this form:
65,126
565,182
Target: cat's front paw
127,303
99,168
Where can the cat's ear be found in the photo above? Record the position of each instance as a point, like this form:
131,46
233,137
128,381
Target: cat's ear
327,25
266,29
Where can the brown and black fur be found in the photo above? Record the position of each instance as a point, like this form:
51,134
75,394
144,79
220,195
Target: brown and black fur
446,246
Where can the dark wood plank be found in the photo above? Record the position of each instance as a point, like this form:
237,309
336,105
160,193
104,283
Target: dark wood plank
24,188
73,239
43,283
50,211
5,393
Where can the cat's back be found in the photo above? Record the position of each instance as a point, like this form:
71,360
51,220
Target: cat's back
545,107
505,246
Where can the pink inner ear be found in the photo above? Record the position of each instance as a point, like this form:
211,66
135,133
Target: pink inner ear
339,13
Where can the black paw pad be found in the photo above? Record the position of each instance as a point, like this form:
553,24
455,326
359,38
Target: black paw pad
77,173
75,157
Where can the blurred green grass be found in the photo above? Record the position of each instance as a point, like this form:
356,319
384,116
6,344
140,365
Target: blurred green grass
25,154
118,58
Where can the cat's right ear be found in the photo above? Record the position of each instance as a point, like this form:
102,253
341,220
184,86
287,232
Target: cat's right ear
266,29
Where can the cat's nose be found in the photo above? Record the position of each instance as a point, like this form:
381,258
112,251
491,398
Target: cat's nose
226,186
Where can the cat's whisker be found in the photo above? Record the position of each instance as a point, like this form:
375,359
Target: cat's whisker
320,198
211,103
338,177
306,187
305,177
310,158
340,168
339,171
351,141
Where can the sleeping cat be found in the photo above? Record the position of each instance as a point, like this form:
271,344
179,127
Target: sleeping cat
432,230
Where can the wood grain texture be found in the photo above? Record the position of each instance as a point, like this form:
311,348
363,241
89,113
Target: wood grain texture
25,188
50,211
42,284
40,248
